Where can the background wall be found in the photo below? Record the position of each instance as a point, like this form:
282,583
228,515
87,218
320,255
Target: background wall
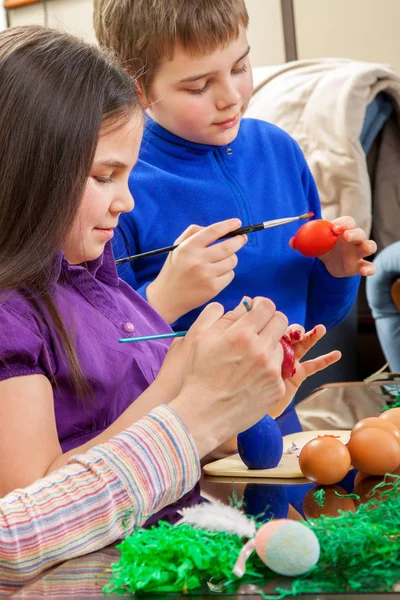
2,18
73,15
265,32
361,29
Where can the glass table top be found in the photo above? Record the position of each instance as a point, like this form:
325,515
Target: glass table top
334,407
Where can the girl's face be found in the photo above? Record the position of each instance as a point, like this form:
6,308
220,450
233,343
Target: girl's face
106,195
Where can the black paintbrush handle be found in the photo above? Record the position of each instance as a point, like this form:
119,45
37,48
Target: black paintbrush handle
119,261
241,230
246,229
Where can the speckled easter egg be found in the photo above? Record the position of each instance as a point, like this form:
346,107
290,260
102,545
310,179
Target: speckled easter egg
261,446
287,547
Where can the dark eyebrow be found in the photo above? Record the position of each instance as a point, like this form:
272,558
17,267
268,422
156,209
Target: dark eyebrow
193,78
111,162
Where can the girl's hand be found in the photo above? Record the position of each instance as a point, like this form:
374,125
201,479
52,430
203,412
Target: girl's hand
347,257
302,342
197,270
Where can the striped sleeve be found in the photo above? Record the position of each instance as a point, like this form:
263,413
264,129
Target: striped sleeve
97,498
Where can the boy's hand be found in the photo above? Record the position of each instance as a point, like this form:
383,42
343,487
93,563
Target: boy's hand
196,271
347,257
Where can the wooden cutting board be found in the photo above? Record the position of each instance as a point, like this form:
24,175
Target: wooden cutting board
288,468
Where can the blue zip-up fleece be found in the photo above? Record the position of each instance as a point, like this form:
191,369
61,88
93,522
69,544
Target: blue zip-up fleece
262,175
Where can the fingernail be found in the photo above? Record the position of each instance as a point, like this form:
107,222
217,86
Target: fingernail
247,305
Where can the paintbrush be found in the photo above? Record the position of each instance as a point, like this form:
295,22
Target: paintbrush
241,230
170,334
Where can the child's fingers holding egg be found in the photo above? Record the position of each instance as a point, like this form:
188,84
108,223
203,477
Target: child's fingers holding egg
361,251
307,341
367,268
342,224
295,333
354,236
312,366
367,248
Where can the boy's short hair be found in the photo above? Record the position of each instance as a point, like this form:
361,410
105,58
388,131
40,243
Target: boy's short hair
142,32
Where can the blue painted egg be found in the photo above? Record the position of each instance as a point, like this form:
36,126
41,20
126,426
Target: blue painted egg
261,446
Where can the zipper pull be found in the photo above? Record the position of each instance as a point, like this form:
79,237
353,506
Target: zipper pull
228,150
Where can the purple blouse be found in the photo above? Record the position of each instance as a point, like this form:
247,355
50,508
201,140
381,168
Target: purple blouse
97,308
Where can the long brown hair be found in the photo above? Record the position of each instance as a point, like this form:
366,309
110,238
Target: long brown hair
56,92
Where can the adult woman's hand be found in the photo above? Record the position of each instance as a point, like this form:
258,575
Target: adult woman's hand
233,372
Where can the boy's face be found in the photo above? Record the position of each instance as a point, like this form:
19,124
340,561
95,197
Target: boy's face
202,98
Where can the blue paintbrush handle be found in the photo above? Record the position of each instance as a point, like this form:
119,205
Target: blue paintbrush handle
158,336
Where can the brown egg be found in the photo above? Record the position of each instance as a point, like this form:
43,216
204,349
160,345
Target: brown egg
332,502
392,415
378,423
374,451
324,460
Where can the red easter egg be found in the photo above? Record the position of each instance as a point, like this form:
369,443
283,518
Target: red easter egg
315,238
288,368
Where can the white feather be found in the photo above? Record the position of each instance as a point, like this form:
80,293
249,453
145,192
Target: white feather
216,516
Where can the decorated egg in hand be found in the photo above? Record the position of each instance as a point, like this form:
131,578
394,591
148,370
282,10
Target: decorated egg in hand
315,238
288,368
261,446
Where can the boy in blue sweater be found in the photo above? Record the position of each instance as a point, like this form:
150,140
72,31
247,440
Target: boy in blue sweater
201,162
